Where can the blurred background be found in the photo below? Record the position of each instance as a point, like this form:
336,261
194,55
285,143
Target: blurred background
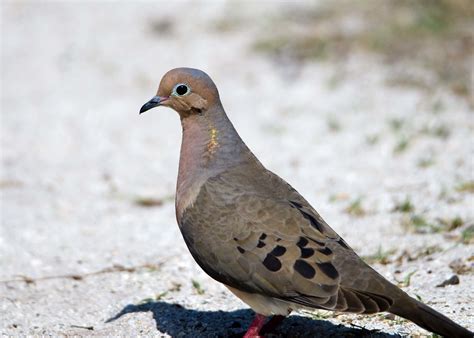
365,107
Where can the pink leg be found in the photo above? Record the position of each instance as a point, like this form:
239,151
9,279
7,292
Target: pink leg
254,329
272,324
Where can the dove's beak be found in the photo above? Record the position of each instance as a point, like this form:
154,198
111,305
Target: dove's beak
154,102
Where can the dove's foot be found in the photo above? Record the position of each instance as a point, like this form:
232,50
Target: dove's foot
254,329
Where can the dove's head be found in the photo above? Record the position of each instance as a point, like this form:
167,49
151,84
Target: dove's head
188,91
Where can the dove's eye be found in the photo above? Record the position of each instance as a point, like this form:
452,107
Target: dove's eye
181,89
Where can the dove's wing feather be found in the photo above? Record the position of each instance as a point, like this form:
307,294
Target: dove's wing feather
258,235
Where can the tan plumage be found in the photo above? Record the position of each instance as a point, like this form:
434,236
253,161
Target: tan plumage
249,229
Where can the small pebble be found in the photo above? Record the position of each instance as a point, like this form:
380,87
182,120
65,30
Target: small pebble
453,280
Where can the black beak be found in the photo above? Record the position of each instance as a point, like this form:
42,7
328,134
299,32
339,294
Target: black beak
155,101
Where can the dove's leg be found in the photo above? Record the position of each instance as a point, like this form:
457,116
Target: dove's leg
272,324
255,327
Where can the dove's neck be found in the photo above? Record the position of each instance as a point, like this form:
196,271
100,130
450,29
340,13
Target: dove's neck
210,145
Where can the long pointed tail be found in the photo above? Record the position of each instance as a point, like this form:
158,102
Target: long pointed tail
428,318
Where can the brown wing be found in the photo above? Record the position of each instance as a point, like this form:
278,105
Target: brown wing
261,236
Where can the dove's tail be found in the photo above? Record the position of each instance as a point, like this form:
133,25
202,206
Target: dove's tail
428,318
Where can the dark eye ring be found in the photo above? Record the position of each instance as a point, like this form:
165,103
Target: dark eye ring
181,89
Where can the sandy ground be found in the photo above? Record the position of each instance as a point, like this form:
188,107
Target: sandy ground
81,255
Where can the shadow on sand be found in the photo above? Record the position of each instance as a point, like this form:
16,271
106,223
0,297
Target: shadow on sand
177,321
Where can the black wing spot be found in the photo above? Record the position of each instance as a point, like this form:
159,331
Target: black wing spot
343,243
314,222
263,236
260,244
241,250
304,269
306,252
278,251
272,263
302,242
326,251
296,204
329,270
317,242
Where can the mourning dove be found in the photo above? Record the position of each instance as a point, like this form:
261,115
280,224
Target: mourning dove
250,230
